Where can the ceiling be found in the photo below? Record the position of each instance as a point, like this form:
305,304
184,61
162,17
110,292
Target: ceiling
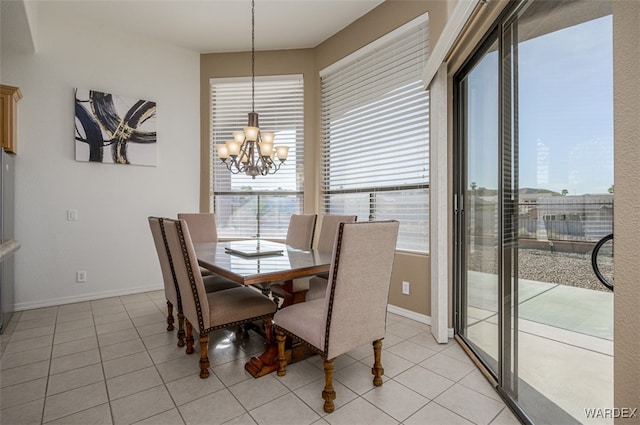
213,26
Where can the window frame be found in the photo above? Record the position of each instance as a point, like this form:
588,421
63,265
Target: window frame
419,245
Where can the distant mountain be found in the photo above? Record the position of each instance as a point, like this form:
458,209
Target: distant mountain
483,191
531,191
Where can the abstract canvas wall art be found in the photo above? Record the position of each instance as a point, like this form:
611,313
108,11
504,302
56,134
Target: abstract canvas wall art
114,129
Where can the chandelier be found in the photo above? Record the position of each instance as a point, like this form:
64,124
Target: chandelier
251,151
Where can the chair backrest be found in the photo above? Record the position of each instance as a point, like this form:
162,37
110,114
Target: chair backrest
358,288
202,226
328,230
166,264
195,305
301,230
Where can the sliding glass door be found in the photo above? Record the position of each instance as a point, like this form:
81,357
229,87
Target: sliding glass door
478,204
534,192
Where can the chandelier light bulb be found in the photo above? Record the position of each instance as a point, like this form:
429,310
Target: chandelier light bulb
223,151
251,133
238,136
282,152
266,149
233,147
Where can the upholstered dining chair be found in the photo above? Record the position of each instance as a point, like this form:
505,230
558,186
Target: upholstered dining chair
301,230
171,290
315,287
300,233
203,229
210,311
202,226
354,310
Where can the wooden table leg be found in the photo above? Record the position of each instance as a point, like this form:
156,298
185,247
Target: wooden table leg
287,288
267,362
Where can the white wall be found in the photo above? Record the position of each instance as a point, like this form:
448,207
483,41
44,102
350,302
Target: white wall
19,20
111,239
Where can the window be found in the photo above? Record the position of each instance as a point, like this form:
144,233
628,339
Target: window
375,132
259,207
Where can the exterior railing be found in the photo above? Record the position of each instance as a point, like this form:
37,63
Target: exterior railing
586,218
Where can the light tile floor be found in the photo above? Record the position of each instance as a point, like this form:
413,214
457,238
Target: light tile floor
111,361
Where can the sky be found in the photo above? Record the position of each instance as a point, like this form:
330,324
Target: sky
565,107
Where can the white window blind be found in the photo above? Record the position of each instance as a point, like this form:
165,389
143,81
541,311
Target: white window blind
247,207
375,132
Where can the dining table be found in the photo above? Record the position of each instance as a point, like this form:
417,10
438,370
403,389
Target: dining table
260,262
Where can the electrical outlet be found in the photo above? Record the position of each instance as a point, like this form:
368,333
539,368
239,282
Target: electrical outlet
81,276
405,287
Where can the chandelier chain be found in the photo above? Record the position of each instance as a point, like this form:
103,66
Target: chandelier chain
252,151
253,55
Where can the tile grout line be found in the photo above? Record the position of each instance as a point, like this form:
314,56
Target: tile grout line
104,375
321,418
46,387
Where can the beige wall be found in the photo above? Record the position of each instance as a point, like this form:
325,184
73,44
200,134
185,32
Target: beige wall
388,16
385,18
415,269
626,68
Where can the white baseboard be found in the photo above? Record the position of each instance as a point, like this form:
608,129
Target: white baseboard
422,318
84,297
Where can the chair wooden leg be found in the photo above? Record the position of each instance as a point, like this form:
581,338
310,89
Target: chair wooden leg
282,359
169,316
268,333
181,334
377,368
204,359
190,340
242,332
328,394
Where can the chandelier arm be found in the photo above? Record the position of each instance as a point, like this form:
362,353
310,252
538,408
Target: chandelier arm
261,165
244,151
231,168
252,155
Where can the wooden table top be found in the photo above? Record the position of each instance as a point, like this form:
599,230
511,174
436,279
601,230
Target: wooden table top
283,262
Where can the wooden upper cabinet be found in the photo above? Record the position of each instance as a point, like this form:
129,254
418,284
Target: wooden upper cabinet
9,97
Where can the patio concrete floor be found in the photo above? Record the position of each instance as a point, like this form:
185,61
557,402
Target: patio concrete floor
565,340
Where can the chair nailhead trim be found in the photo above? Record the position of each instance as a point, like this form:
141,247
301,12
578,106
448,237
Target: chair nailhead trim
173,271
192,281
297,338
238,322
336,262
